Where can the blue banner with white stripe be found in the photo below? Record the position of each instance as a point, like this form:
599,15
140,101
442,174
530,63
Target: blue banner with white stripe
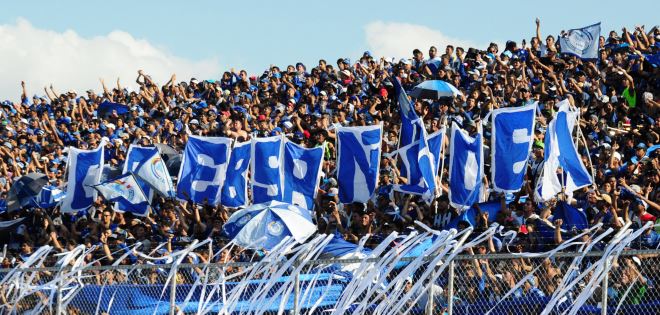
135,157
302,170
267,176
234,191
85,168
511,140
466,168
203,169
561,151
420,158
358,162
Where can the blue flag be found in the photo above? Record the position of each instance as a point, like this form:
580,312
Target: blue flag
358,162
411,130
85,167
135,157
203,169
560,151
511,139
267,175
581,42
106,108
49,196
126,192
421,158
234,191
572,217
302,170
466,168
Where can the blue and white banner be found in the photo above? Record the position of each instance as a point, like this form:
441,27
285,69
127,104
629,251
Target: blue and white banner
234,191
358,162
581,42
561,151
203,169
135,157
421,159
125,191
436,141
49,196
154,172
511,141
84,170
267,175
302,171
410,130
466,168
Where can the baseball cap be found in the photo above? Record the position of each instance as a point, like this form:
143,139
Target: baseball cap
261,118
194,122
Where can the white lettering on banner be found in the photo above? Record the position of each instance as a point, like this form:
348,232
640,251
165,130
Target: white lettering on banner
441,220
520,136
471,169
205,160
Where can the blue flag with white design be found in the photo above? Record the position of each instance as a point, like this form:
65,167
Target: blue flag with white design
125,191
49,196
511,140
154,172
561,151
85,168
267,176
581,42
466,168
411,131
203,169
302,170
421,158
135,157
358,162
435,141
234,191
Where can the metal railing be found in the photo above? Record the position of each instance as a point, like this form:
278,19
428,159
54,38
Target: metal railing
465,284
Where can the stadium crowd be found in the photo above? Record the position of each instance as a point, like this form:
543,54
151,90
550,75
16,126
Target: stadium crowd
615,94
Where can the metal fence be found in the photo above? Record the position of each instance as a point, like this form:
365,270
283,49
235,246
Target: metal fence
464,284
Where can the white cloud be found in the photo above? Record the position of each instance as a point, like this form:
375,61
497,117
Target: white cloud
398,40
68,61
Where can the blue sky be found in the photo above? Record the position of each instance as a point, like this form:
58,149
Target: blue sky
214,35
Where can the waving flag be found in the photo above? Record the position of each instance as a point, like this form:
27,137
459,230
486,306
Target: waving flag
49,196
572,217
106,108
410,131
302,170
581,42
154,172
267,176
135,157
560,151
466,168
203,169
125,191
435,141
85,168
511,140
234,191
358,162
421,158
